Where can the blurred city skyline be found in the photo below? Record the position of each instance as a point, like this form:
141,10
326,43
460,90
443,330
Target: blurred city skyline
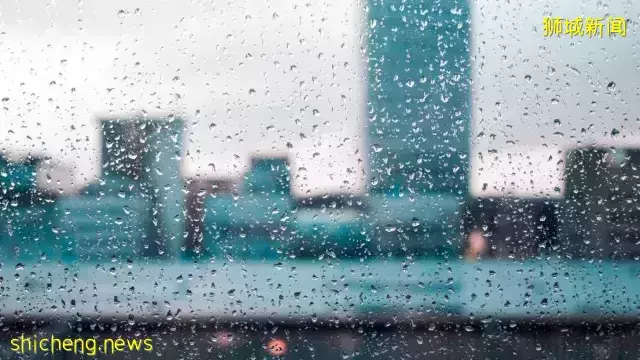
290,77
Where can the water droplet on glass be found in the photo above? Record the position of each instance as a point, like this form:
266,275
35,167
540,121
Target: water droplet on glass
615,133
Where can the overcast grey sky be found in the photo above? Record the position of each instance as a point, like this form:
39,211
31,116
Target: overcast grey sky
534,95
253,76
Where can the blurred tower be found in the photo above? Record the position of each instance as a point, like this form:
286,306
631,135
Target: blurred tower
600,217
589,210
136,209
588,174
419,122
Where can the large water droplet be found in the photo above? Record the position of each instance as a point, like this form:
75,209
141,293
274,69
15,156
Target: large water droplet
615,133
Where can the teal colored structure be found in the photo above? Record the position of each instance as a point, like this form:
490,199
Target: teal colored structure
25,213
418,131
419,123
255,223
328,259
599,215
331,227
136,208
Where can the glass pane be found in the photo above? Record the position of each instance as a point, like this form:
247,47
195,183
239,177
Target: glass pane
354,179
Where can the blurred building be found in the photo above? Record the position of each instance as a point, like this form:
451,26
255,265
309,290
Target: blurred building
197,194
419,123
331,226
135,209
26,212
253,223
600,213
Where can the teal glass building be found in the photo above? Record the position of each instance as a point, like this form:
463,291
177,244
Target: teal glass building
135,209
419,87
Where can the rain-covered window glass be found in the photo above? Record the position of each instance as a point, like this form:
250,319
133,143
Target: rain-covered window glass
354,179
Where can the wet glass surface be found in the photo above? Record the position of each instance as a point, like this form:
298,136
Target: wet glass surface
340,179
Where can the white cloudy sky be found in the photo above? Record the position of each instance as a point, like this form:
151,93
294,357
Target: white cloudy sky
254,75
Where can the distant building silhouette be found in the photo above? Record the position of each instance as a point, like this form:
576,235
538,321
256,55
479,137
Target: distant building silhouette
419,125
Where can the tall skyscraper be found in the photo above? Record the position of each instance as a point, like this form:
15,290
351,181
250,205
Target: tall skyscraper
419,116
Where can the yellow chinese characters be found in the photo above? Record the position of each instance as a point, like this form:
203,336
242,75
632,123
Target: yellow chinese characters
618,25
552,26
574,27
579,26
